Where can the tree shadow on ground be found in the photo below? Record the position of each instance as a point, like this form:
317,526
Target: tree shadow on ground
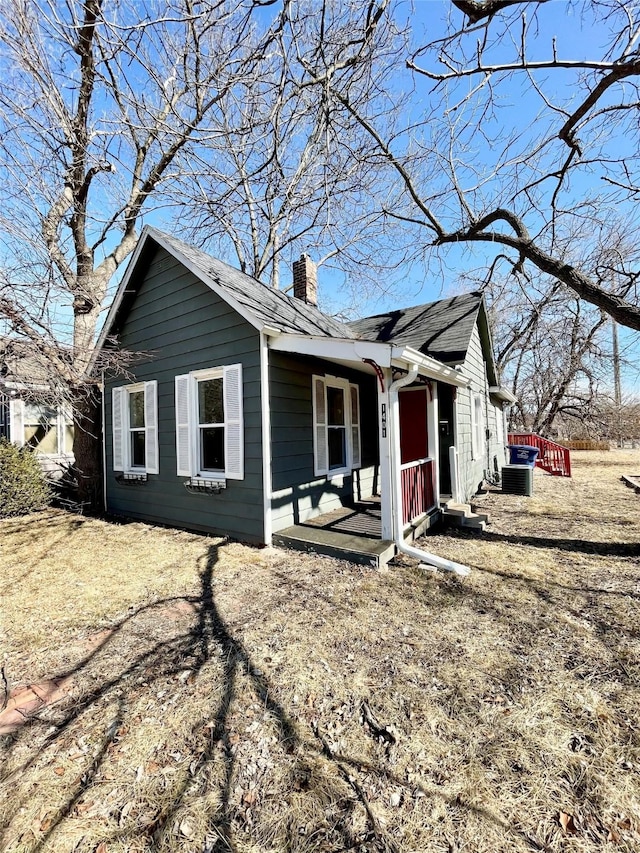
584,546
210,638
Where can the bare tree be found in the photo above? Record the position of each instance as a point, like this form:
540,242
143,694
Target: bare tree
551,350
103,112
520,154
101,103
302,174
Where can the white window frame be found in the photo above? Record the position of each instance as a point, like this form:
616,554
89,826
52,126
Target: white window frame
188,425
122,429
17,422
5,418
478,438
500,430
353,450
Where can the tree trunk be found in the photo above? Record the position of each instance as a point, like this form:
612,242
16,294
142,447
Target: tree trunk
87,446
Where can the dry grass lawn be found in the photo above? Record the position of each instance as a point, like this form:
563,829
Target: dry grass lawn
221,698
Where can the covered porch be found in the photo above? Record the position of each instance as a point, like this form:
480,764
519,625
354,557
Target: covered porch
352,533
406,479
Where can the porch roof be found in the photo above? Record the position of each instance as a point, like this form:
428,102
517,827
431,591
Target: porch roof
358,354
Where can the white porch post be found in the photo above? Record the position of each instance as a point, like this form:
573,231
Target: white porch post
384,441
433,436
396,475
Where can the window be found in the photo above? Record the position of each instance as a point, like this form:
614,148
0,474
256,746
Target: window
4,416
336,425
40,424
135,432
477,426
499,413
45,428
209,424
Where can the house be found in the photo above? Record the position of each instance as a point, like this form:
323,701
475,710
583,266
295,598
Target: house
29,413
253,412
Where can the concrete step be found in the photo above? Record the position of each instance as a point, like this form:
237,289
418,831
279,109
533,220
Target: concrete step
462,515
474,524
341,546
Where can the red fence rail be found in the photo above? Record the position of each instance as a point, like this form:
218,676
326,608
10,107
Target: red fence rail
418,493
552,457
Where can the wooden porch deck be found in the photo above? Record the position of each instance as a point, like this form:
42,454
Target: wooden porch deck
349,533
363,519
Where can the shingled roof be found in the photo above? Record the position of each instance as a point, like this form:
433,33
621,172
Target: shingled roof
439,329
269,306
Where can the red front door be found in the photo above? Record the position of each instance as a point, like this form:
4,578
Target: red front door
413,425
416,474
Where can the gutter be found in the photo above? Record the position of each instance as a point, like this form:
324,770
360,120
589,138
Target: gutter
396,490
428,366
503,395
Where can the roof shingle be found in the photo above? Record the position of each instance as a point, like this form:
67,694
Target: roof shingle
439,329
270,306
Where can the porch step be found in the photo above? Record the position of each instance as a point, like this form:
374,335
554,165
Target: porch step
419,526
341,546
461,515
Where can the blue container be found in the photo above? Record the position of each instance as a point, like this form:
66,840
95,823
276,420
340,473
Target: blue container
523,454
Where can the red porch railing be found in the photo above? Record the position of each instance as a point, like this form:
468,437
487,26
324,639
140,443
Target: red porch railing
552,457
418,494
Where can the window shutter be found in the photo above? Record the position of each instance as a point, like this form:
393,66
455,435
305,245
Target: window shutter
320,449
16,422
151,427
233,422
117,414
355,426
183,433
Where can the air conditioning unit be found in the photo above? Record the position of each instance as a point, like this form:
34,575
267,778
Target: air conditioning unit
517,480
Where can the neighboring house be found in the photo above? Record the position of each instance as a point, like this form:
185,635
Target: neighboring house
28,413
253,411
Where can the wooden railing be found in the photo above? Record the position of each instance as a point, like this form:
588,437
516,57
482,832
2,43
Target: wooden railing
552,457
418,495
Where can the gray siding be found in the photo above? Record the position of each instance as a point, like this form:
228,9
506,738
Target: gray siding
297,493
183,326
473,470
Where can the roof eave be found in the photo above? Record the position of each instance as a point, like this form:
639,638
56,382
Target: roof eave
427,366
331,349
502,394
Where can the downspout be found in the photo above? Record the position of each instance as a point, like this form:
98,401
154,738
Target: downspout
396,490
267,479
104,447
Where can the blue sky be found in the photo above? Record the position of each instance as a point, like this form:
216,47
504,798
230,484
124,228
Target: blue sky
424,281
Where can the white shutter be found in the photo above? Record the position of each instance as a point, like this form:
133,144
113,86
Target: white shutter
233,423
118,398
320,449
151,427
16,422
183,426
354,392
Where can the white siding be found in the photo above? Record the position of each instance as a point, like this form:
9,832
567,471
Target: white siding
474,466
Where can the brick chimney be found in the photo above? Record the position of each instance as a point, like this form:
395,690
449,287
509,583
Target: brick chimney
305,280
